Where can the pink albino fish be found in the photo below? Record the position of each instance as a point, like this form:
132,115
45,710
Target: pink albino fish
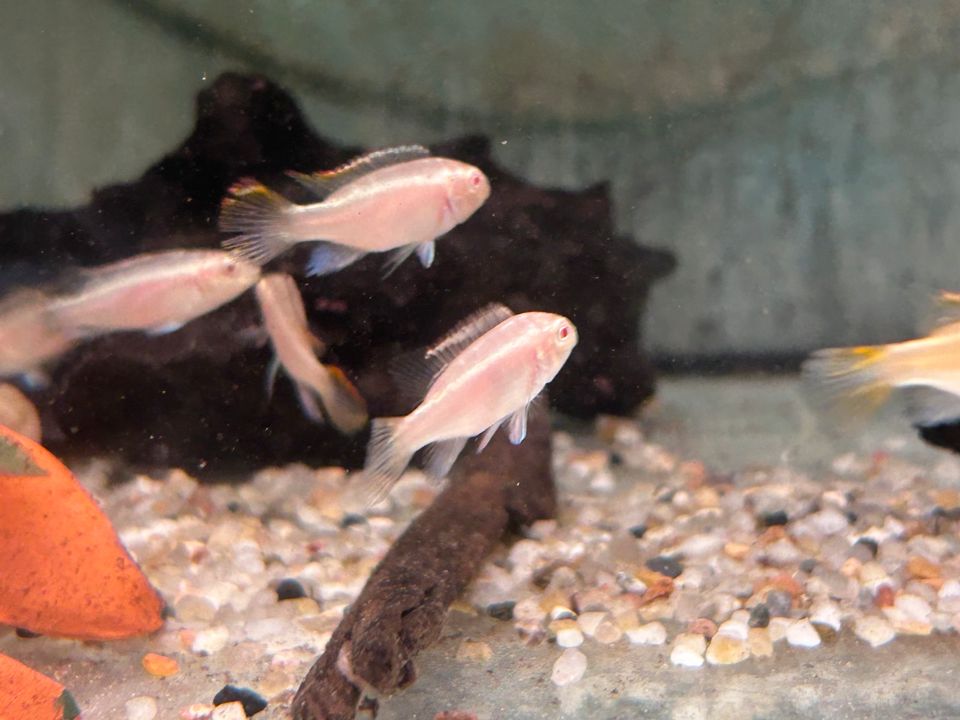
295,348
485,373
157,292
399,200
30,335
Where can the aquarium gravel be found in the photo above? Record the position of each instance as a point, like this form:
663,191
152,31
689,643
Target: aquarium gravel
650,549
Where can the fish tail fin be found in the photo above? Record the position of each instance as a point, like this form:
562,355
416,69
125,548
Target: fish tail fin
344,404
259,216
851,380
387,458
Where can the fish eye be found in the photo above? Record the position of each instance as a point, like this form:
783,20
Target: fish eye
476,179
563,333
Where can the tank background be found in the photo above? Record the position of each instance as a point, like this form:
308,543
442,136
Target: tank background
801,159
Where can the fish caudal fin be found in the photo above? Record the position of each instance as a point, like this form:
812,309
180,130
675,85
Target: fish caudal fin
849,380
259,216
387,458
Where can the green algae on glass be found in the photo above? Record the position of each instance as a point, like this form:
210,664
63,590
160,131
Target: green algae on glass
14,461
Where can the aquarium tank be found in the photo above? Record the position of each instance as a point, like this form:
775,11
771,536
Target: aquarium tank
479,361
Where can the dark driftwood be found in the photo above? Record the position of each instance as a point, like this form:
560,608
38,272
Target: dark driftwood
195,398
402,607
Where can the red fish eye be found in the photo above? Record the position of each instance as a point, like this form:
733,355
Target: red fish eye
476,180
564,332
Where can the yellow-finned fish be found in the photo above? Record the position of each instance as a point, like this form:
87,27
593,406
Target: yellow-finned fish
399,199
485,373
862,378
286,321
155,292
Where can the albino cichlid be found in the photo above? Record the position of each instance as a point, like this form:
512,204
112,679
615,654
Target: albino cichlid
397,200
286,321
483,374
862,378
156,292
30,335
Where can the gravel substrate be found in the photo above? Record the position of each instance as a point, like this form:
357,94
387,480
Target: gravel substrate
651,549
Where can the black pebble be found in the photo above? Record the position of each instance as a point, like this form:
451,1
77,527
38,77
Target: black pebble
777,517
290,589
251,701
26,634
779,603
501,610
808,565
759,616
616,459
234,506
664,565
352,519
638,531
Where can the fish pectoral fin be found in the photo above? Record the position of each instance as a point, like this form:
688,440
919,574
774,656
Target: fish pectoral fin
928,406
328,257
325,182
165,329
272,369
311,408
440,457
426,252
488,435
517,426
257,215
395,259
34,379
342,402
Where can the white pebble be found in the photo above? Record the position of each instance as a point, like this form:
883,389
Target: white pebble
826,613
915,607
802,634
142,707
782,553
688,649
607,633
210,640
874,630
562,613
195,608
229,711
653,633
570,637
734,629
829,521
569,667
701,545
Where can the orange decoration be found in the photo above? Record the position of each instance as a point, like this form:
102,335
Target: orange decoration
25,693
65,572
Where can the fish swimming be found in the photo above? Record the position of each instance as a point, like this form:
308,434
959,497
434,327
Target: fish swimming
484,374
156,292
398,200
30,335
286,321
861,378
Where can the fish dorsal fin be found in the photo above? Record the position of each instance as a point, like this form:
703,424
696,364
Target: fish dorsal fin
948,313
414,373
325,182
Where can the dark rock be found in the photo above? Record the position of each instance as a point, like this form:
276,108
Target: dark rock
638,531
528,247
759,616
352,519
779,603
808,565
665,565
290,589
26,634
777,517
501,610
251,701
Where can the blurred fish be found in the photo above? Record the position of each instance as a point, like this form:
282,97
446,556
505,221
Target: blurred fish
861,378
485,373
156,292
399,200
30,336
295,348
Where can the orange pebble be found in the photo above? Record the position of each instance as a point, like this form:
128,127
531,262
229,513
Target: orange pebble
921,568
160,665
884,596
738,551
